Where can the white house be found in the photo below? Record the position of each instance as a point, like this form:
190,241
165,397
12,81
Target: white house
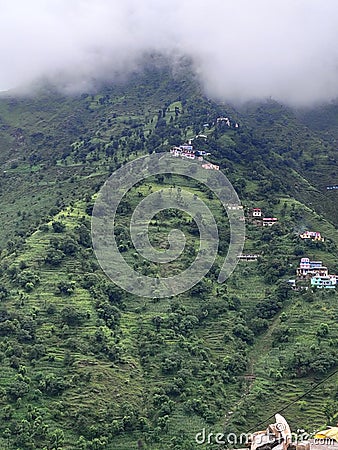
312,235
256,212
269,221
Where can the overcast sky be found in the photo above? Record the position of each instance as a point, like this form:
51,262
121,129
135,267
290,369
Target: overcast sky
241,49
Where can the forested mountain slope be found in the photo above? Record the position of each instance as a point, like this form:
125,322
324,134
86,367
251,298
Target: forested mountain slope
86,365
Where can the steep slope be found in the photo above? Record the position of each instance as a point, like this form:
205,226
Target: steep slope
86,365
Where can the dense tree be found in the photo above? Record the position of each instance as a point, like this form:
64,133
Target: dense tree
58,227
71,316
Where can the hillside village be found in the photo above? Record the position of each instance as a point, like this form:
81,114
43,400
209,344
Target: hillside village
310,271
187,151
313,273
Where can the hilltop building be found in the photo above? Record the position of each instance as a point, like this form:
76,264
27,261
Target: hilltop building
308,269
317,273
227,121
234,207
201,153
326,282
187,147
210,166
224,119
257,217
312,235
187,151
256,213
248,258
269,221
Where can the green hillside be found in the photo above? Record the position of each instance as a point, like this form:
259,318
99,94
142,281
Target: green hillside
86,365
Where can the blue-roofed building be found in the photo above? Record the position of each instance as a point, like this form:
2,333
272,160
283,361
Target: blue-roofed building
326,282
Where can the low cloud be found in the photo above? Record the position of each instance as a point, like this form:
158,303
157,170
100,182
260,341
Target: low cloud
240,49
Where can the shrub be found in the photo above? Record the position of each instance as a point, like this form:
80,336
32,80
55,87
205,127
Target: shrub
58,227
70,316
54,257
66,287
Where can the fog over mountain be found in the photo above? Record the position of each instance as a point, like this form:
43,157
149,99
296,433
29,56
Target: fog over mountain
240,49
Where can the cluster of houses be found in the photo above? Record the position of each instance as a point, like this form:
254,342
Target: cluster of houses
257,215
227,121
311,236
315,272
312,271
307,269
222,120
187,151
